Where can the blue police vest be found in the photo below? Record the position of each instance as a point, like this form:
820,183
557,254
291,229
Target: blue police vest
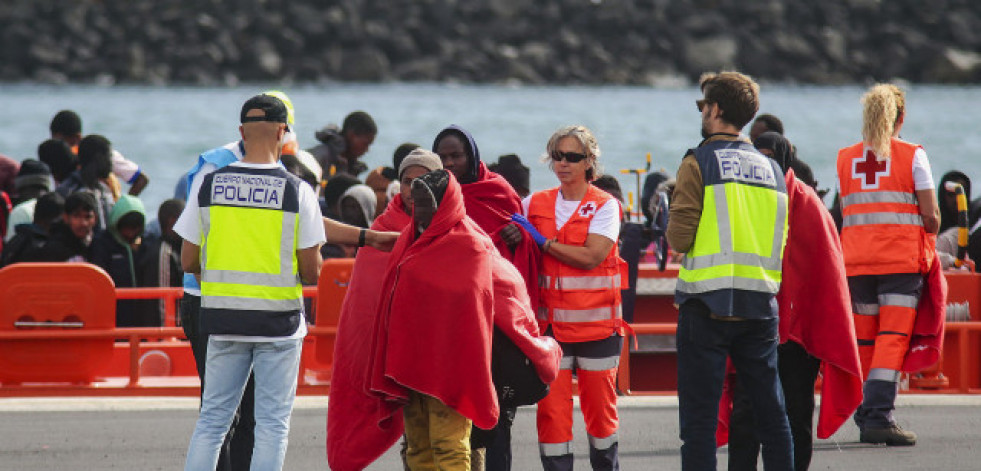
249,270
735,263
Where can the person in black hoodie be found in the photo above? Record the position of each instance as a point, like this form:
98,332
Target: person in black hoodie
28,243
70,239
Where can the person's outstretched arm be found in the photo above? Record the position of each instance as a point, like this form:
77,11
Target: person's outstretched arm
340,233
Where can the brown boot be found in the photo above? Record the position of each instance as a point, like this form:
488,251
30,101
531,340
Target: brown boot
892,435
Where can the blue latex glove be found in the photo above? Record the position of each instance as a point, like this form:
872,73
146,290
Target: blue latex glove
526,224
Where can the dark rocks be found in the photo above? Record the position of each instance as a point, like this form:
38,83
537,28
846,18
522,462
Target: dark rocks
662,42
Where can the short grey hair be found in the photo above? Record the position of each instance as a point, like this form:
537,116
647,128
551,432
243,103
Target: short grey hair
586,139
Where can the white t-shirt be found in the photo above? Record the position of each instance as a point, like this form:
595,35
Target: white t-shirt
125,169
922,174
606,222
21,214
310,232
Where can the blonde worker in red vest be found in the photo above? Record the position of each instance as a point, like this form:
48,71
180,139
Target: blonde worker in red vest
890,221
576,226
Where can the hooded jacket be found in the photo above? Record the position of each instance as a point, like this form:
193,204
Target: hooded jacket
115,255
328,153
366,199
109,244
490,201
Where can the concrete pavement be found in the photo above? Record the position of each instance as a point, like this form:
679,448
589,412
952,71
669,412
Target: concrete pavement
152,433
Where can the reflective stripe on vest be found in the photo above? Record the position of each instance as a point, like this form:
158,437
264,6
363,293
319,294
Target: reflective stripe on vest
248,257
879,197
579,305
586,315
579,282
882,218
714,262
882,230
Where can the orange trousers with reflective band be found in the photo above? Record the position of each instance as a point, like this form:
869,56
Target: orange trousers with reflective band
596,371
884,310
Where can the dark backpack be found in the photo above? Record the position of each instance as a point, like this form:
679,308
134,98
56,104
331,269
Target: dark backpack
515,378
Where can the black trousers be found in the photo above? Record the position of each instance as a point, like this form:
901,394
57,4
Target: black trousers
236,451
496,441
798,371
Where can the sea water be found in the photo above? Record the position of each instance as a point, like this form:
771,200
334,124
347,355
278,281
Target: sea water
163,129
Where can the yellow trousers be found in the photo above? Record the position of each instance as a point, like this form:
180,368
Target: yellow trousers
438,437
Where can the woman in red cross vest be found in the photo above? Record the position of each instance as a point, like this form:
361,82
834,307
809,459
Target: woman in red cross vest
890,219
576,225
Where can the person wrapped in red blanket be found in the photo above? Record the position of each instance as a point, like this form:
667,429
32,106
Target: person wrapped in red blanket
368,423
490,201
353,438
822,325
431,348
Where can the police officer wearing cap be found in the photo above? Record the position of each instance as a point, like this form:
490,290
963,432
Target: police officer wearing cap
251,233
237,449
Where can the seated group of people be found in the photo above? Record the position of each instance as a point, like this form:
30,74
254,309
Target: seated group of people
66,206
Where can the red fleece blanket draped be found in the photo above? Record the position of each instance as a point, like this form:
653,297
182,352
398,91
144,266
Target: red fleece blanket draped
354,439
815,309
928,329
514,317
490,202
435,324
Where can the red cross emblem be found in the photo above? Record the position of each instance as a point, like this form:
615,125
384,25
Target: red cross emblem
587,209
869,169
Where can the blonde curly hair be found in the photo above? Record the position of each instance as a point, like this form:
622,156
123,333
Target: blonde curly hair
586,138
882,108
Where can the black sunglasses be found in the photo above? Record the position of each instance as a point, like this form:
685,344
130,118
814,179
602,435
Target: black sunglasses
571,157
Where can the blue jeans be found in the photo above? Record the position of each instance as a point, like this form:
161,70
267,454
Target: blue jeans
276,366
704,344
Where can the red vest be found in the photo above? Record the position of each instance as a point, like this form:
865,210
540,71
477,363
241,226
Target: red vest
579,305
882,230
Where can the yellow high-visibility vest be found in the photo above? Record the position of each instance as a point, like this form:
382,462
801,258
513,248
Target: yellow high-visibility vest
249,277
735,262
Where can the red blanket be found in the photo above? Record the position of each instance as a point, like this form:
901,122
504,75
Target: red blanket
353,438
434,327
514,317
928,330
490,202
822,323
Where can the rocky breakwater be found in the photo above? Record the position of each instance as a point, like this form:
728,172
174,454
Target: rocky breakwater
564,41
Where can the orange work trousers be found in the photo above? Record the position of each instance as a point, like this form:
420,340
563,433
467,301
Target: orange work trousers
884,310
595,364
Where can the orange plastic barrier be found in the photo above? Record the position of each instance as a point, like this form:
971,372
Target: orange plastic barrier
960,364
55,297
58,336
331,288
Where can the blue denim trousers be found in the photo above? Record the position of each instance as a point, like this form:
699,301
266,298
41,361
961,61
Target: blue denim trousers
229,363
704,343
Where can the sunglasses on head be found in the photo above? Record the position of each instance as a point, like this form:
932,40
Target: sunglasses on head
571,157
